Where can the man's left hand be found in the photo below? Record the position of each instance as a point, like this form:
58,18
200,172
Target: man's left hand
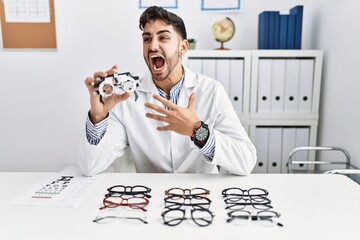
180,120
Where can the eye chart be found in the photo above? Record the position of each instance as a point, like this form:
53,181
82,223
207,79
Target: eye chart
58,191
27,11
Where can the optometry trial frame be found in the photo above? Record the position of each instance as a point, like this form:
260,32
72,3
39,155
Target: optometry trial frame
111,84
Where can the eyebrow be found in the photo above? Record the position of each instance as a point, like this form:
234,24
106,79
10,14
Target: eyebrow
159,32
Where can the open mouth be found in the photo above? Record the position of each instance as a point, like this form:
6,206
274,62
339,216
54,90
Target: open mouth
157,62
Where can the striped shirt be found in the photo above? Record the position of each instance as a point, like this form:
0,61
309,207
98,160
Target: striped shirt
95,132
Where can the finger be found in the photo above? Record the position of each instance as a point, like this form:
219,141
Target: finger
89,84
164,101
157,117
122,97
157,108
164,128
100,74
112,70
116,98
191,104
106,73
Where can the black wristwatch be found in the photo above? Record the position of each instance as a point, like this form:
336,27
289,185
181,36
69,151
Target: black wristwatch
201,135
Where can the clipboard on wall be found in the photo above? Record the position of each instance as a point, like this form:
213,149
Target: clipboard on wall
28,34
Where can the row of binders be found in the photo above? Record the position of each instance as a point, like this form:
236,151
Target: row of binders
274,145
229,72
285,85
280,31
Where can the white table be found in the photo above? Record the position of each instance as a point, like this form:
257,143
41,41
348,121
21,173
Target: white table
311,207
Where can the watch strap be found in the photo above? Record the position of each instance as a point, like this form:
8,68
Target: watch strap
196,126
197,142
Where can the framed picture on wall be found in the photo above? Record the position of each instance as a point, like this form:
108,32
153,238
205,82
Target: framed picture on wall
161,3
221,5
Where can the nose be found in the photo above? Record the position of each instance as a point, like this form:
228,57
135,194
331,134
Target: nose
154,45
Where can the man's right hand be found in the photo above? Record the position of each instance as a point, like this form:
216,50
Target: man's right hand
99,111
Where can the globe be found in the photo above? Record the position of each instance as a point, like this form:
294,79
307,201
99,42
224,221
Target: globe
223,30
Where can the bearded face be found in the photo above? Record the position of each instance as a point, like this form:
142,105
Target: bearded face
162,49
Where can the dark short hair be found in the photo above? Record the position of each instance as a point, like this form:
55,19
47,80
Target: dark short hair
158,13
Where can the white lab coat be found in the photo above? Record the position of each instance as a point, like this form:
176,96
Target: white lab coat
162,152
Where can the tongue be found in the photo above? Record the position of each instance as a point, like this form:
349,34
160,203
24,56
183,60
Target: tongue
159,62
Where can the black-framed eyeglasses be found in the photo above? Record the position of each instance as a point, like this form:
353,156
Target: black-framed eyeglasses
243,217
136,191
251,193
174,202
201,216
262,203
130,216
132,202
183,193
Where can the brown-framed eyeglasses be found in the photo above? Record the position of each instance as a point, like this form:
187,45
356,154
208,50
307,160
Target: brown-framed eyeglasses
132,202
187,193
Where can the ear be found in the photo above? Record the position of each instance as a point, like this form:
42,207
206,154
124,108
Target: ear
183,47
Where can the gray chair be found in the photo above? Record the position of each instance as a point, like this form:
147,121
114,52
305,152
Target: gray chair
339,166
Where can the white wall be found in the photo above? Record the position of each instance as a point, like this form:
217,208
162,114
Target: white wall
339,36
44,101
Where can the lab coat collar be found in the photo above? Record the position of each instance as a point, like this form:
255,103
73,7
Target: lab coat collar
190,80
147,84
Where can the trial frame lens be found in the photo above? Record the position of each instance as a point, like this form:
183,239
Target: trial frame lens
128,85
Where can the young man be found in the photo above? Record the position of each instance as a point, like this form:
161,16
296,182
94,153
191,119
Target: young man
182,122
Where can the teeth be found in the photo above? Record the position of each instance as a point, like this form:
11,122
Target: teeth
156,55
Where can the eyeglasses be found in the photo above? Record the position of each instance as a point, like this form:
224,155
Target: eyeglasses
243,217
201,216
174,202
136,190
132,202
181,193
251,193
131,216
261,203
255,199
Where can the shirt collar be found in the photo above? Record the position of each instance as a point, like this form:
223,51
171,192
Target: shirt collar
174,92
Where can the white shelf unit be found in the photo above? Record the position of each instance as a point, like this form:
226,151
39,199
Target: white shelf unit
293,77
284,105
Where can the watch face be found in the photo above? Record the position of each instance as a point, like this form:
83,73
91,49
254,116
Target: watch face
201,134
